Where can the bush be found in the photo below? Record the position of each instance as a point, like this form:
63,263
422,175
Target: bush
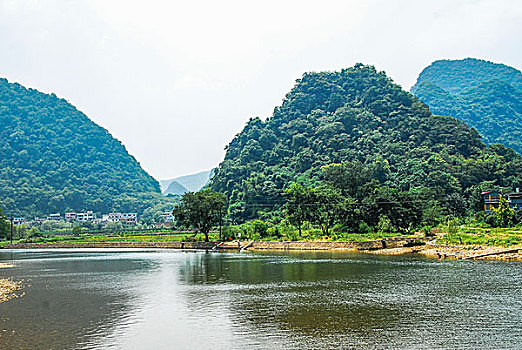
364,227
288,231
260,228
384,224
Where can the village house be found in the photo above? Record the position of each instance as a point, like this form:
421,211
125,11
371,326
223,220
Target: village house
54,217
19,221
492,200
515,200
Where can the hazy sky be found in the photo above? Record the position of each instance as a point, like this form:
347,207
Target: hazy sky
176,80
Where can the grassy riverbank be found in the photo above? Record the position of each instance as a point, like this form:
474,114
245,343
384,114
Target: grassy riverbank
463,242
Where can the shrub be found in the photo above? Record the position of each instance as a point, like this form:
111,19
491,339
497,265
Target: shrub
260,228
384,224
364,227
288,231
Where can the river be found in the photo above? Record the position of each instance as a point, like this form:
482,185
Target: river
171,299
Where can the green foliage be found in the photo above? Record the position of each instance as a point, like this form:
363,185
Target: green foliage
504,214
377,146
288,231
299,205
114,226
201,210
487,96
260,228
384,224
328,207
53,158
5,225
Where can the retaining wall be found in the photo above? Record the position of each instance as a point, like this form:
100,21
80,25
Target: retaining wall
395,242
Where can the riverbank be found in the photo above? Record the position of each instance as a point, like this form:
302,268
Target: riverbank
460,252
7,286
387,246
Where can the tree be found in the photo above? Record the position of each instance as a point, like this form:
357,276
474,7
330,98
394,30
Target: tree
201,210
352,178
5,225
298,205
328,205
504,214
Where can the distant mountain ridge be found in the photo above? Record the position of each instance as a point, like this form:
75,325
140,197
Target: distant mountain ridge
53,158
175,188
182,184
456,76
485,95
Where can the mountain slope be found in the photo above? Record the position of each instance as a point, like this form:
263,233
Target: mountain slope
357,114
54,158
486,95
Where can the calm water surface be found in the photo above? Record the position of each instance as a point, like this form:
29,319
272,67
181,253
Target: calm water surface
168,299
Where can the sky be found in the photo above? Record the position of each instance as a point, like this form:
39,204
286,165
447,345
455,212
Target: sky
176,80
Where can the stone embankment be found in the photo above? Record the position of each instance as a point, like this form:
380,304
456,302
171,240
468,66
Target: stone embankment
387,246
395,242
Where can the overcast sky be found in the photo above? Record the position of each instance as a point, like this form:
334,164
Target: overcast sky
176,80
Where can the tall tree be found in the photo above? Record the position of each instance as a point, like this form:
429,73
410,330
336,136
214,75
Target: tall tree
201,210
4,225
299,202
328,206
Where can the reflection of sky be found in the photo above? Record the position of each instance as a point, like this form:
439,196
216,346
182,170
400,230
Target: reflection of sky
195,300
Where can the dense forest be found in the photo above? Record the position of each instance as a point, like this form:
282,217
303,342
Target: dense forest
353,140
53,158
486,95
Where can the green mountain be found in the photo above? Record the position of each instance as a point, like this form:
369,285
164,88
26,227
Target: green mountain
54,158
359,115
175,188
486,95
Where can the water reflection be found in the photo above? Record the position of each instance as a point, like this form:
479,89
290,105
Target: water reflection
135,299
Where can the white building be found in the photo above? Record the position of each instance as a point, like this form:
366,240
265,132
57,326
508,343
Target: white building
55,217
131,218
167,216
19,221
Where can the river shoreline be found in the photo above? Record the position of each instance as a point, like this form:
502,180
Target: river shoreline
7,286
393,246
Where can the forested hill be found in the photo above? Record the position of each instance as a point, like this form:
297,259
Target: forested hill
54,158
358,115
486,95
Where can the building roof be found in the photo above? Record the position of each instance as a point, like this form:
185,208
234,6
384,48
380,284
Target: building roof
490,192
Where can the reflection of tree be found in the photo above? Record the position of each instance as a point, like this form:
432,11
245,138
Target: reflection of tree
301,294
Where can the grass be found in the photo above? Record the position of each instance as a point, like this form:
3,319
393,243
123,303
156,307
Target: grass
115,238
178,237
468,235
340,237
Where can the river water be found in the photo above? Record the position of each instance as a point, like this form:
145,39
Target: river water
168,299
